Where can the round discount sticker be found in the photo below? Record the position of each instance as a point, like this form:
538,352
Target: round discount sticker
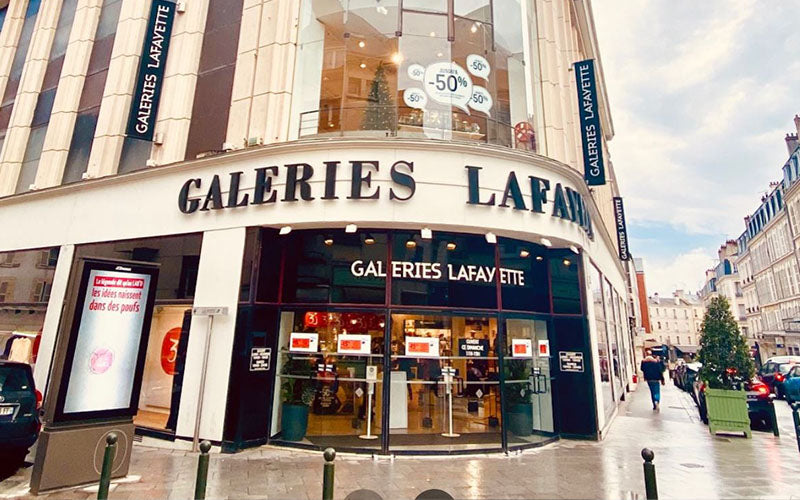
448,83
481,100
416,72
478,66
415,98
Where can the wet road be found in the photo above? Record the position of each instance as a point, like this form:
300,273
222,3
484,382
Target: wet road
690,464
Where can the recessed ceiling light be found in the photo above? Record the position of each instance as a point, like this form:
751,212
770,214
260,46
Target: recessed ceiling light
397,58
328,241
451,246
362,65
524,253
474,28
369,240
362,44
411,244
350,228
546,242
285,230
539,258
567,262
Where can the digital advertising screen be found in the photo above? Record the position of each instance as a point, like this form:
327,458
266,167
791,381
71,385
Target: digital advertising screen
106,351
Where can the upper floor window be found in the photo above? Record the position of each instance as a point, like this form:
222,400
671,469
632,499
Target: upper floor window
412,68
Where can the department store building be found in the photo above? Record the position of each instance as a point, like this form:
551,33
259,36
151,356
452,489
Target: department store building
385,200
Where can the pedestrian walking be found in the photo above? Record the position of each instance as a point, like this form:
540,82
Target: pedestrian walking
653,371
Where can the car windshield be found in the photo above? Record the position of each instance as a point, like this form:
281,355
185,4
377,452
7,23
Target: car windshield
13,379
785,367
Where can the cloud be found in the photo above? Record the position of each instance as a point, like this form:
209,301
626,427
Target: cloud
701,95
685,271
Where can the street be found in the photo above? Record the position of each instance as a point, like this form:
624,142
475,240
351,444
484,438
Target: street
689,463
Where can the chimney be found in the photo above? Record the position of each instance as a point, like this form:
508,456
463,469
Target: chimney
797,123
791,140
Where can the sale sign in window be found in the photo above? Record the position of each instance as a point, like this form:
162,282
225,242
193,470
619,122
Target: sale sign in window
303,342
354,344
422,347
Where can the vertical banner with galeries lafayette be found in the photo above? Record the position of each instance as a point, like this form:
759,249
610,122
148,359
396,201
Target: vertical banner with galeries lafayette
593,169
622,229
144,107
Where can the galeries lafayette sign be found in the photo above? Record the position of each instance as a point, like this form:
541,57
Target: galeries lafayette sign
292,183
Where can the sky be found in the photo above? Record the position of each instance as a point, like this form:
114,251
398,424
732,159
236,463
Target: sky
702,95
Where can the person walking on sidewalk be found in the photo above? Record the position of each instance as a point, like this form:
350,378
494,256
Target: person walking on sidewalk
653,371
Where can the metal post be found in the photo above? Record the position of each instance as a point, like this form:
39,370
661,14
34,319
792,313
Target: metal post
327,474
108,462
650,487
773,418
202,471
796,415
448,387
204,369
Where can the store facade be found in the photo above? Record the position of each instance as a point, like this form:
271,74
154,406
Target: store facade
383,201
430,257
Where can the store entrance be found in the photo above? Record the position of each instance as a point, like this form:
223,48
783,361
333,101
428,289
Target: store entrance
444,383
527,382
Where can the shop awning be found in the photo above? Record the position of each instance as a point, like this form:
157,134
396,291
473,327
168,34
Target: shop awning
686,349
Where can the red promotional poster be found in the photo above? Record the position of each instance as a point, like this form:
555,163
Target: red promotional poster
169,350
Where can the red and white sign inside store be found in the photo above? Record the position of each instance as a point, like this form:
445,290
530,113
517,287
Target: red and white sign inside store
521,348
303,342
169,350
544,348
354,344
422,347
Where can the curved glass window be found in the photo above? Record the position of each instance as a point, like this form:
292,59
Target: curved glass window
408,68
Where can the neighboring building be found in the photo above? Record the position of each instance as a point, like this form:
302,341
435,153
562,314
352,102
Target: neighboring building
391,170
642,289
769,263
724,280
676,322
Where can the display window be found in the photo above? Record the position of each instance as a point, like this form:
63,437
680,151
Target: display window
330,367
434,70
601,322
26,279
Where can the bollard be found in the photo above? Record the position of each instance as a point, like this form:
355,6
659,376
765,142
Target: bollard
773,418
327,474
796,415
650,487
108,462
202,471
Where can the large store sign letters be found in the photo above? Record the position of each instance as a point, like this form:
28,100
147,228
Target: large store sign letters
144,108
594,171
622,229
436,271
544,196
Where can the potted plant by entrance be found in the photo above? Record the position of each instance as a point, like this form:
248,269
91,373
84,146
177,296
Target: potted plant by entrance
519,413
296,396
727,366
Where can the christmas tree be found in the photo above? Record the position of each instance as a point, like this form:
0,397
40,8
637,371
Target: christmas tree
380,113
723,351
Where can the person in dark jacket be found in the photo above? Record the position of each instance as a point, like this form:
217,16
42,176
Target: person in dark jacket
653,371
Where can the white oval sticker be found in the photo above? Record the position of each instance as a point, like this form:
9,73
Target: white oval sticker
416,72
415,98
481,100
478,66
448,83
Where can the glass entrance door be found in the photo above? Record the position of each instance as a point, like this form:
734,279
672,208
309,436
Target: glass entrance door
444,383
527,382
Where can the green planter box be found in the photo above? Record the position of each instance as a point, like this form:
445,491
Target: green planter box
727,411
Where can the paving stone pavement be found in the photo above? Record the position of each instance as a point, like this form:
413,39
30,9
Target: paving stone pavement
690,463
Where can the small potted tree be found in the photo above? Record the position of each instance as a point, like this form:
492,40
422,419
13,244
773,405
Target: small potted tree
726,368
519,412
297,394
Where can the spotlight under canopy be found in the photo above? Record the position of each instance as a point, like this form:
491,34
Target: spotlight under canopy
285,230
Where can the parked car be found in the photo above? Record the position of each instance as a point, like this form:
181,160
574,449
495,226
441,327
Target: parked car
758,398
19,412
688,376
774,371
791,385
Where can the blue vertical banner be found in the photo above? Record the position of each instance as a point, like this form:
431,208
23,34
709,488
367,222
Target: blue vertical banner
593,169
144,107
622,229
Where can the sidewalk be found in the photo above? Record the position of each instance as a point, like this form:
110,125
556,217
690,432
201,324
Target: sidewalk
689,462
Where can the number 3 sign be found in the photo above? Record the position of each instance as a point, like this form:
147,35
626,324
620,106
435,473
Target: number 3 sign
169,350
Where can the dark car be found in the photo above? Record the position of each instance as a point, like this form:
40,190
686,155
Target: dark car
774,371
19,411
685,375
758,399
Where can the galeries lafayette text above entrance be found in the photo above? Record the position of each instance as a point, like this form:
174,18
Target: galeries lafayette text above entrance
321,183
